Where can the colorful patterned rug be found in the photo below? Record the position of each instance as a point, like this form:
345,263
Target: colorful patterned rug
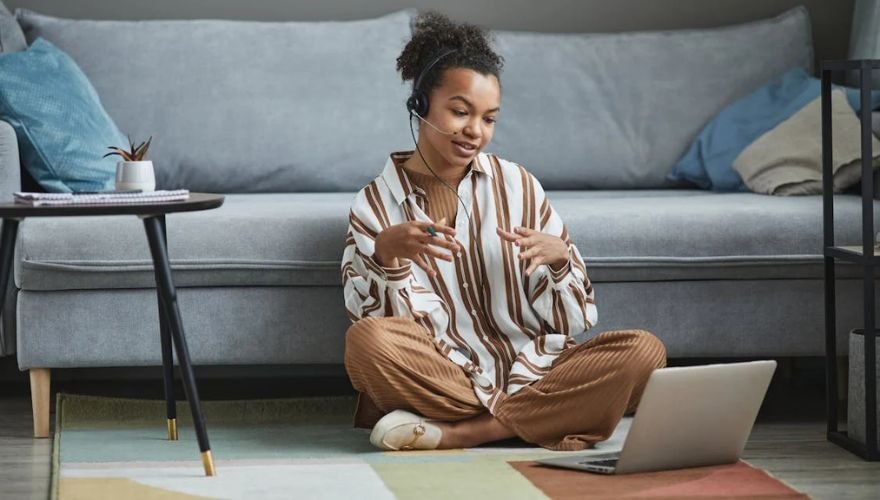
306,448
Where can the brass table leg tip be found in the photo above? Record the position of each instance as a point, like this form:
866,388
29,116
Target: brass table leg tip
172,429
208,462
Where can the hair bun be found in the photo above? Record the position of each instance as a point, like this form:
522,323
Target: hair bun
434,33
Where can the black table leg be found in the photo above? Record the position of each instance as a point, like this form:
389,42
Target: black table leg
165,286
167,356
7,253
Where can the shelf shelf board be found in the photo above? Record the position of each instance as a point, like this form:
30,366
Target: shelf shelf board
844,64
844,441
852,254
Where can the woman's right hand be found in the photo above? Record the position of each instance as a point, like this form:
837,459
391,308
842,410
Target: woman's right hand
410,240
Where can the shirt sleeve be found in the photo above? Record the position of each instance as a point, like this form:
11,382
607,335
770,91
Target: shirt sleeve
374,290
564,298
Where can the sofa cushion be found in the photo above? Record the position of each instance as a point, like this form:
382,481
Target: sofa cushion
245,106
62,129
296,239
11,36
616,111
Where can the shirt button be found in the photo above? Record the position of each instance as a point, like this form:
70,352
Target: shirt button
458,255
465,285
474,312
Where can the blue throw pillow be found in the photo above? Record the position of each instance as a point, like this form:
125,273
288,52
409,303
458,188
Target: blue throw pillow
62,129
708,162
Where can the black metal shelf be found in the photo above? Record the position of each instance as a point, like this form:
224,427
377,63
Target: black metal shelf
854,254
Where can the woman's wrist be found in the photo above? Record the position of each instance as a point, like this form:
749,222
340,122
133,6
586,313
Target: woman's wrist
385,261
563,260
561,267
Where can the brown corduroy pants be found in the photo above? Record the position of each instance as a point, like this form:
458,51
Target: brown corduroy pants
393,363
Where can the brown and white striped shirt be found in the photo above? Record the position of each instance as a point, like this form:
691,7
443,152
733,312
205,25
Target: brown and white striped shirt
504,329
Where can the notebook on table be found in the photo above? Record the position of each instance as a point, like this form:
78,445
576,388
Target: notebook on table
106,198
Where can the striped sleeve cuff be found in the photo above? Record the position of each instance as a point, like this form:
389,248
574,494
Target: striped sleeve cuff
395,277
559,275
560,278
400,273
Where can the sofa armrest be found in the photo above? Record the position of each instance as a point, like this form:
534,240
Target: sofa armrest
10,167
10,181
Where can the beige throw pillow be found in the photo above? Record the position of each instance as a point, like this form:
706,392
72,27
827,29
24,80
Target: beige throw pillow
787,160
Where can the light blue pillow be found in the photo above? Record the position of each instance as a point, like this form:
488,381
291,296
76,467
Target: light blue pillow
62,129
708,162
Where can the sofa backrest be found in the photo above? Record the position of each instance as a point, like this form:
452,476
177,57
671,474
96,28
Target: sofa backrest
616,111
244,106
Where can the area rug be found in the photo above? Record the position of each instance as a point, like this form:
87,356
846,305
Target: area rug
306,448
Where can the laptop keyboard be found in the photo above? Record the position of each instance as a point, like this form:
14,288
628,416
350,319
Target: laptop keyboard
601,463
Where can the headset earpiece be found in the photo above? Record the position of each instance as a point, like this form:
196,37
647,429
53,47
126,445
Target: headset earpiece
418,101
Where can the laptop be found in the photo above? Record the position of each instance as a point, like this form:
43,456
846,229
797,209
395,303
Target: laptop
688,417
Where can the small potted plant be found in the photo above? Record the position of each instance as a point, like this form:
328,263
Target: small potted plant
134,171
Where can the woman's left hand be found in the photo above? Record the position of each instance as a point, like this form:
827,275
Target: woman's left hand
542,248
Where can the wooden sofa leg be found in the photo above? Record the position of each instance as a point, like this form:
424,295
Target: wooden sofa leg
40,382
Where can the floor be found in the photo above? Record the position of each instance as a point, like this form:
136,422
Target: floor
788,440
24,462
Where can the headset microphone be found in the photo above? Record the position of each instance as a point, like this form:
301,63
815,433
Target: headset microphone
420,117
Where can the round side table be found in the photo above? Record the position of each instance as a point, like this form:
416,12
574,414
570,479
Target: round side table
170,324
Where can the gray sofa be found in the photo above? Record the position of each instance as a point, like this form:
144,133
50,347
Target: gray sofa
291,119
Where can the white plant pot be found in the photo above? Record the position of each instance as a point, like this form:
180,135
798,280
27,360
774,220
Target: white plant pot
135,175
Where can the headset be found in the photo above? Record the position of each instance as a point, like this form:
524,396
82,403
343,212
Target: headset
418,100
417,105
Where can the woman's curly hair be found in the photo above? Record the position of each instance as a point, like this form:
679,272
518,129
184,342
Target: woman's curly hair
433,34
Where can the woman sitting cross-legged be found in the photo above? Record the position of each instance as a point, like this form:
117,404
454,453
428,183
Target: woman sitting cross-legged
463,320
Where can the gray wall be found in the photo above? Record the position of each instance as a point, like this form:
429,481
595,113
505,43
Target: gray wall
831,18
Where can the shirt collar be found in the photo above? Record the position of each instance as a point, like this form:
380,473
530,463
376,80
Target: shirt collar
401,186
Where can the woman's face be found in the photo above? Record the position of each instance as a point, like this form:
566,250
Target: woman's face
466,102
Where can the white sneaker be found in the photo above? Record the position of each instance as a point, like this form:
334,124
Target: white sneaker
402,430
